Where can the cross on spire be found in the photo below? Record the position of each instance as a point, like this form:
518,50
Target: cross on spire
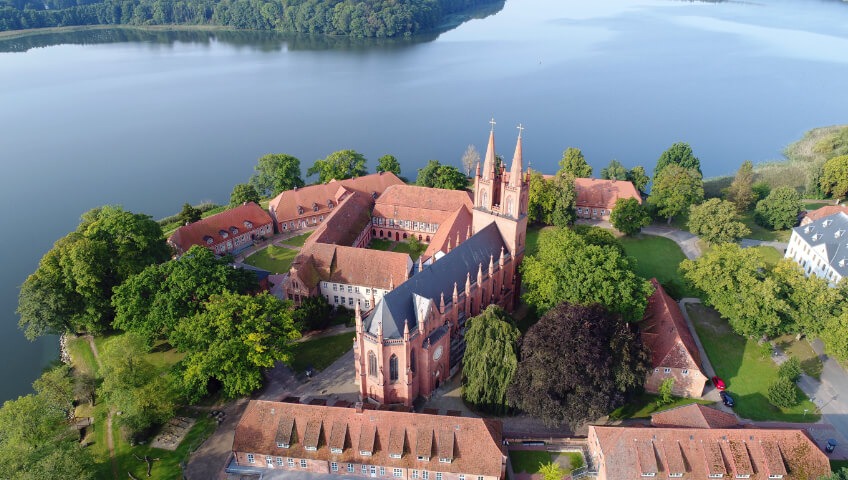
493,122
520,130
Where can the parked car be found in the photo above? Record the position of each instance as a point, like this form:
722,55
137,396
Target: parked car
719,383
727,399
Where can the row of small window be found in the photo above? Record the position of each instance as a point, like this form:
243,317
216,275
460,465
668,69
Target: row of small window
365,469
712,475
409,224
338,287
668,370
302,223
348,300
251,458
585,211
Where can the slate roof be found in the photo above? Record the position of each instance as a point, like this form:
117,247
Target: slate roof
452,228
697,452
398,306
828,236
666,334
344,224
694,416
210,227
477,443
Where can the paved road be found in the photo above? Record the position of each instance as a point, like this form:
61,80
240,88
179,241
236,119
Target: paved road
831,394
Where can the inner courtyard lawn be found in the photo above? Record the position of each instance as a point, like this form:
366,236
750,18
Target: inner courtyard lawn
529,461
738,362
320,353
297,241
645,405
658,257
274,259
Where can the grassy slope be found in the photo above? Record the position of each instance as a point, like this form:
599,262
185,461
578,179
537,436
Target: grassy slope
321,352
738,362
658,257
645,405
274,259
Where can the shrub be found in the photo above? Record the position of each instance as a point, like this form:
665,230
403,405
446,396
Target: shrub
790,369
665,392
782,393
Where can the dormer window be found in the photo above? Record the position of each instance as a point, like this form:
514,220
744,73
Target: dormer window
842,262
817,237
223,233
365,453
248,224
838,233
299,210
827,223
208,240
234,230
444,460
776,476
283,445
809,228
315,206
675,475
394,455
329,204
422,458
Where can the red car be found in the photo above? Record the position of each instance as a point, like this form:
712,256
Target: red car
719,383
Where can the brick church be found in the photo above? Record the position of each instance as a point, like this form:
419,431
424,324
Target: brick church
412,338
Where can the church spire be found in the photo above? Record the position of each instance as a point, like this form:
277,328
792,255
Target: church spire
517,162
489,162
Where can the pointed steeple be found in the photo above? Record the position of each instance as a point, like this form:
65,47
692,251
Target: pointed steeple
468,234
489,161
501,260
373,303
380,332
442,303
480,274
421,263
391,282
358,318
449,245
478,170
491,265
517,162
455,293
405,330
457,238
468,283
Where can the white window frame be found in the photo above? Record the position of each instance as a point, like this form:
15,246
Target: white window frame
350,468
290,463
398,473
251,458
666,370
334,466
269,460
302,463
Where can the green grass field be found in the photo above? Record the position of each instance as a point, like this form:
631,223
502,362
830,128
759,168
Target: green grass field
645,405
816,204
531,246
404,247
321,352
297,241
771,254
529,461
738,362
658,257
380,244
274,259
759,232
801,349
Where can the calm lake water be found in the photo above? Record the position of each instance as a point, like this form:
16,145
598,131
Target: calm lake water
150,121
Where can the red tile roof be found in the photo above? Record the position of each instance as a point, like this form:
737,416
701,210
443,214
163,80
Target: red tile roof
477,442
345,222
454,227
198,232
421,204
593,192
284,206
822,212
353,266
665,333
698,452
694,416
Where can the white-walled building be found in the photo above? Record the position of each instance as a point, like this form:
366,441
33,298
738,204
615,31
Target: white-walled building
821,247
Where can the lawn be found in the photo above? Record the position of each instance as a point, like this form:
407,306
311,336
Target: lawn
771,254
321,352
82,357
297,241
380,244
738,362
759,232
645,405
801,349
274,259
658,257
529,461
405,247
816,204
532,243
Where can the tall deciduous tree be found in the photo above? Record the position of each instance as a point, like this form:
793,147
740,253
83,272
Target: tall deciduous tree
834,177
565,199
675,189
275,173
574,162
490,360
436,175
629,216
339,166
231,340
72,286
577,364
639,178
312,314
780,209
541,199
614,171
679,154
244,193
189,214
388,163
741,190
470,159
716,221
568,269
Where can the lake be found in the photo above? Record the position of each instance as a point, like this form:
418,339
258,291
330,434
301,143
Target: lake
153,120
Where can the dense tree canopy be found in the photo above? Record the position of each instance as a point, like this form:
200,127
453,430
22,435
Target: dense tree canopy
716,221
275,173
154,301
629,216
388,163
189,214
780,209
614,171
565,198
675,189
639,178
490,360
741,190
566,268
71,289
339,165
679,154
834,177
436,175
313,313
541,199
244,193
574,162
231,340
577,364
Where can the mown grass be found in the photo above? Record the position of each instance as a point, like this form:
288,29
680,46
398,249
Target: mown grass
380,244
810,362
297,241
758,232
658,257
770,254
82,356
529,461
405,247
273,258
645,405
320,353
738,362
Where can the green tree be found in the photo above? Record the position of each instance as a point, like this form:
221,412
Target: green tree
275,173
144,396
665,389
741,190
244,193
312,314
232,340
151,303
72,286
416,248
339,165
834,177
841,474
565,200
568,269
782,393
577,363
761,190
470,159
598,236
639,178
679,154
490,360
716,221
56,389
388,163
614,171
428,175
629,216
574,162
811,303
436,175
189,214
675,189
790,369
552,471
780,209
541,199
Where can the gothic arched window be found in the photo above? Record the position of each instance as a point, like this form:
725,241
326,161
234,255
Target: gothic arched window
393,368
485,197
372,364
509,206
412,360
